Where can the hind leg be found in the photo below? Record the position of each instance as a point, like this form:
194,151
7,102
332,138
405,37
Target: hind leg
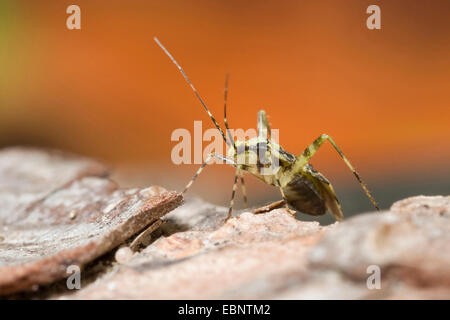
269,207
309,152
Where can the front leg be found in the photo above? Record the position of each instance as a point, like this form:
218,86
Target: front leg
208,159
233,193
244,191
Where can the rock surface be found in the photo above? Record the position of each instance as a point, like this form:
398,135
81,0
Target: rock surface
275,256
58,210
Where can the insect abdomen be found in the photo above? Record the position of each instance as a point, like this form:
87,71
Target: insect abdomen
304,196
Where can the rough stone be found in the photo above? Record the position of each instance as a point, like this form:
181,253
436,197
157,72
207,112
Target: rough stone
61,210
275,256
58,210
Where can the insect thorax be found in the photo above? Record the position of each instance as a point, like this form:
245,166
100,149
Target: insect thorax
262,158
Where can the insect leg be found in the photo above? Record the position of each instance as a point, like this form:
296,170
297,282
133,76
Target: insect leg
244,191
210,156
264,131
285,199
269,207
230,209
305,157
230,136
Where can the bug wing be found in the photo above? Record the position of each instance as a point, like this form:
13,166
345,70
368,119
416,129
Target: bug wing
331,201
327,192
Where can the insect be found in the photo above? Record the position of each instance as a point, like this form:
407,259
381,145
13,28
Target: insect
301,186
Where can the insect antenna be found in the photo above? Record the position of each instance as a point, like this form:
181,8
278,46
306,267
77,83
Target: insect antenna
225,96
193,88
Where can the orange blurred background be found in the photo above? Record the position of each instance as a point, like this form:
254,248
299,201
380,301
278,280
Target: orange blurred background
107,90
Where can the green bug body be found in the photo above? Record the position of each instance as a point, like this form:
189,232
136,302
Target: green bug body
304,189
301,186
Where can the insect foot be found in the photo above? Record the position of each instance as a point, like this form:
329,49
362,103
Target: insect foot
293,212
228,218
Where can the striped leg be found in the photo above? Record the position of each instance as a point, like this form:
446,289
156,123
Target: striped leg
233,193
210,156
230,136
244,191
306,156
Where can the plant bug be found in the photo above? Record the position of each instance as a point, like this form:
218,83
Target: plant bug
301,186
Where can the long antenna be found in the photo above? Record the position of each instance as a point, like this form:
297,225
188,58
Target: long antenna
225,99
193,88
